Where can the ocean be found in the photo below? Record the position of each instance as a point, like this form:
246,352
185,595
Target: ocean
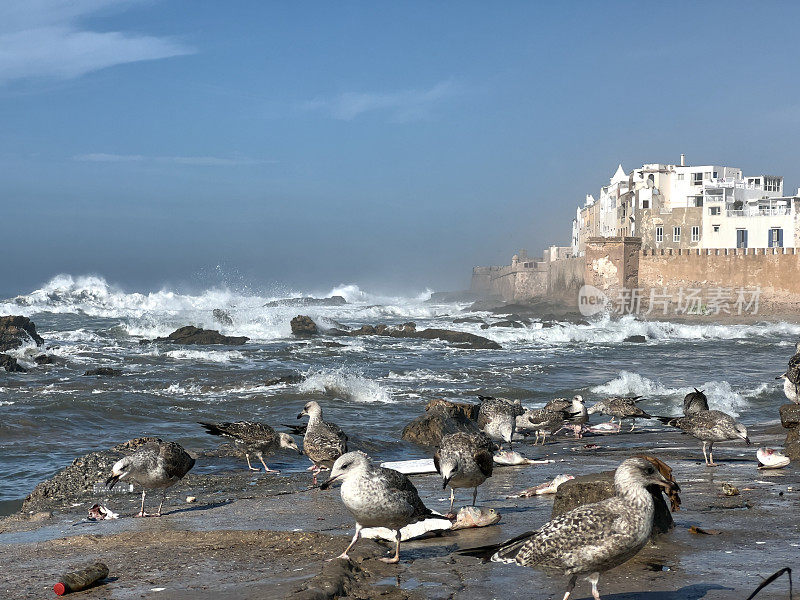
370,386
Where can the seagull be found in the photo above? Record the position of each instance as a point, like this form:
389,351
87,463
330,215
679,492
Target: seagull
577,414
464,460
593,538
497,418
542,421
155,465
694,402
558,404
791,378
323,442
709,426
376,497
620,407
255,438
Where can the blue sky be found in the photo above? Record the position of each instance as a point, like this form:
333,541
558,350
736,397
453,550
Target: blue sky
390,144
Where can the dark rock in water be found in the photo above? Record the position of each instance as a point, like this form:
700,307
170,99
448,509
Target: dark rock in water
194,335
333,344
790,419
303,326
103,372
289,379
451,297
329,301
635,339
460,338
9,363
451,408
77,481
45,359
587,489
514,324
223,317
15,331
468,320
543,309
428,429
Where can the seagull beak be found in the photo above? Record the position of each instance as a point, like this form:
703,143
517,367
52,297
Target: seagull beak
300,416
326,484
112,481
781,376
670,486
747,440
445,481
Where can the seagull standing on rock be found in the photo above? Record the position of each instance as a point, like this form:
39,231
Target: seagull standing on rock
256,438
620,407
791,378
497,418
464,460
590,539
376,497
323,442
542,421
709,426
155,465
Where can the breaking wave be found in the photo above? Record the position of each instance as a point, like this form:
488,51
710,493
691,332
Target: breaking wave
721,395
346,385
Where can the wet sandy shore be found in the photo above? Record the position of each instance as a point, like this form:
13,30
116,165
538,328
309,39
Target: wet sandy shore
258,536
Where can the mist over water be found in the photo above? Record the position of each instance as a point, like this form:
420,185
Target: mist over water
370,386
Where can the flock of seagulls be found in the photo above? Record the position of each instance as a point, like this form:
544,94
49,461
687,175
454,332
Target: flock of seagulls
584,542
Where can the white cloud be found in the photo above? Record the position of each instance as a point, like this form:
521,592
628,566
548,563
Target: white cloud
406,105
201,161
44,39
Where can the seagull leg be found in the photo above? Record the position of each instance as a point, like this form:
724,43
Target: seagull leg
249,466
593,579
704,452
141,512
266,468
396,558
452,500
163,497
355,539
570,586
474,495
711,454
633,424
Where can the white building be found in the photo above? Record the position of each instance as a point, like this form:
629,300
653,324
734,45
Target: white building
689,207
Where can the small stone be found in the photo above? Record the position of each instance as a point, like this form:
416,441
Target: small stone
729,489
191,499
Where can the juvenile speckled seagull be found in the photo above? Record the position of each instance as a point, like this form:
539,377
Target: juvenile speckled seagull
257,439
590,539
577,414
155,465
709,426
464,460
497,418
620,407
376,497
694,402
323,442
542,421
791,378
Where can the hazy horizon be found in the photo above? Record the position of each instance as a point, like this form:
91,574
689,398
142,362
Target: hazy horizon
270,145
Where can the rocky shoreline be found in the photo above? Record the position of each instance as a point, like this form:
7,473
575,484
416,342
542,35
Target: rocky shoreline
269,536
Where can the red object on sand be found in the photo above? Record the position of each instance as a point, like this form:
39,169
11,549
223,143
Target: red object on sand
59,589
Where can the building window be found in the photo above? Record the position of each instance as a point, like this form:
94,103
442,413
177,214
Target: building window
680,176
714,210
716,228
659,234
741,238
645,203
715,175
695,233
676,234
697,179
776,238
